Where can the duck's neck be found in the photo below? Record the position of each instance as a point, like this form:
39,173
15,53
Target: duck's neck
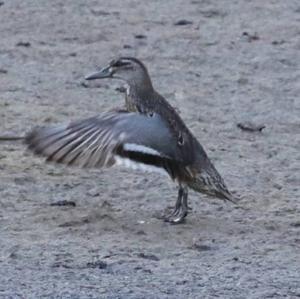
140,83
138,91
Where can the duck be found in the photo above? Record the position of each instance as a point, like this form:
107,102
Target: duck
147,134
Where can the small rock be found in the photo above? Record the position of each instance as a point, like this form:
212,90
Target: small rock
243,81
140,36
277,186
97,265
61,265
270,227
211,13
250,37
54,172
84,84
202,247
70,38
75,223
48,119
99,13
1,3
141,233
183,23
127,46
278,42
121,89
295,224
62,203
93,192
137,268
23,180
106,205
151,257
3,71
23,44
182,282
287,62
96,84
250,127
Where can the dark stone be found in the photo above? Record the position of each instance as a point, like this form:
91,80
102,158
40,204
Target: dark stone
182,282
278,42
75,223
277,186
140,36
295,224
61,265
62,203
121,89
24,180
94,192
250,37
127,46
201,247
211,13
97,265
139,268
23,44
151,257
70,39
183,23
84,84
243,81
99,12
250,127
140,233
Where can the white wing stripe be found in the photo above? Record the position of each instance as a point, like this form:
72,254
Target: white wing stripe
132,147
120,161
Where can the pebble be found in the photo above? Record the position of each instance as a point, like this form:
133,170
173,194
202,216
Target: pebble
183,23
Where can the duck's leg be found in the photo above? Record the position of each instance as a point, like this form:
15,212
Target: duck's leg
181,207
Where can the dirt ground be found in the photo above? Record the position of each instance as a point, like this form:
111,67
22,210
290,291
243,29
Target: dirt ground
220,63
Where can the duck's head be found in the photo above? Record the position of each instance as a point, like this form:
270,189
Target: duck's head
128,69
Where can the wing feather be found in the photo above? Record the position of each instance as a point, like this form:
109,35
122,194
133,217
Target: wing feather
98,141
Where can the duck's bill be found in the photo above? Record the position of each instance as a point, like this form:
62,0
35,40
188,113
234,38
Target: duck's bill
106,72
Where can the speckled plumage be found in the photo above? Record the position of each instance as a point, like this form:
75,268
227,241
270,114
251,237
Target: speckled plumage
143,98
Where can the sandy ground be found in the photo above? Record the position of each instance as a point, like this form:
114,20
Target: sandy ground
234,61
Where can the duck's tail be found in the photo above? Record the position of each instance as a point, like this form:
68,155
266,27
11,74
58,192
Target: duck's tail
210,182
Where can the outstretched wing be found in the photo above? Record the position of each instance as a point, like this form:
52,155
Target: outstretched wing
109,138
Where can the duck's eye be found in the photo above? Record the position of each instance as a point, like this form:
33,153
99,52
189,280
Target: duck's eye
120,63
180,140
